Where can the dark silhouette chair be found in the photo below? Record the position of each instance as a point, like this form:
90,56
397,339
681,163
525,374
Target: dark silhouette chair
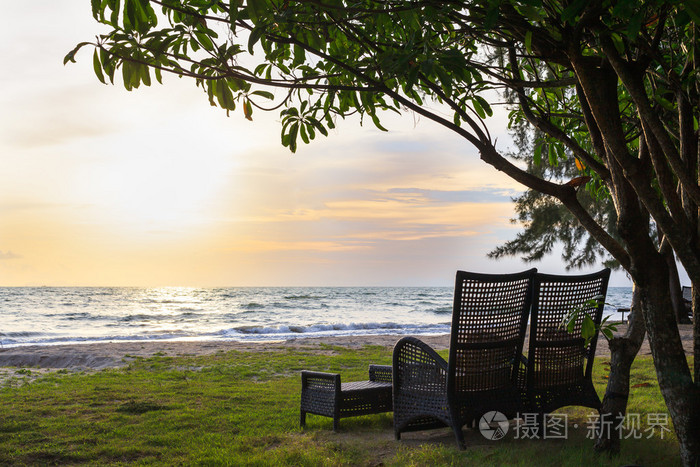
489,321
559,363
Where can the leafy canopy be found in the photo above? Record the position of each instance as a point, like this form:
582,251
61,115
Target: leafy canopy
317,60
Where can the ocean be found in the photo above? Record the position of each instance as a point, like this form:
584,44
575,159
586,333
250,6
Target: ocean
62,315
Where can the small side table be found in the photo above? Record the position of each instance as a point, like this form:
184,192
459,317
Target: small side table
324,394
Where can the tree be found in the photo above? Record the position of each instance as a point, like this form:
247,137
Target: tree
547,223
613,84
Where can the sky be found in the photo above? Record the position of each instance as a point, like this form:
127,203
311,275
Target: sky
104,187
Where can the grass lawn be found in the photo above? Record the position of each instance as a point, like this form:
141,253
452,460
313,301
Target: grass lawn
242,408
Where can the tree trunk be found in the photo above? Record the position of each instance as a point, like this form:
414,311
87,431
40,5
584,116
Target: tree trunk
681,395
623,350
696,332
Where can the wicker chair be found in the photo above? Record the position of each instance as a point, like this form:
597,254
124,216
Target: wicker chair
489,321
557,370
324,394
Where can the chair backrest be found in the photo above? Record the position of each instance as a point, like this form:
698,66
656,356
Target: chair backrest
489,322
557,357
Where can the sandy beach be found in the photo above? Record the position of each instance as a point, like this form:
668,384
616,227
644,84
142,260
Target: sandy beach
116,354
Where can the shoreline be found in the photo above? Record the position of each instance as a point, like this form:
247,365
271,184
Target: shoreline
96,356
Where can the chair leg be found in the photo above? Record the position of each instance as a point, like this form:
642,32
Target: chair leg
302,419
336,422
456,423
459,436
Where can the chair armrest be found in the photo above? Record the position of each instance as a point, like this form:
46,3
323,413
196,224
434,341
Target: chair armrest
417,366
320,394
380,373
320,381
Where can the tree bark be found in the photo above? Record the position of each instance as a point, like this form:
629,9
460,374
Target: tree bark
681,395
623,350
696,332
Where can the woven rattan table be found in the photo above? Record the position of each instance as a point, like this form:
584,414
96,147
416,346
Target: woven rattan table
324,394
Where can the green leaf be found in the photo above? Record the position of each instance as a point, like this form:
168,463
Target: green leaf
484,105
445,80
531,13
528,42
204,40
692,7
537,157
411,79
150,13
375,120
129,18
256,10
587,328
126,75
97,66
665,103
552,155
617,41
492,14
634,25
114,18
255,36
573,10
96,8
265,94
293,130
303,134
145,75
299,55
477,107
70,56
319,126
233,12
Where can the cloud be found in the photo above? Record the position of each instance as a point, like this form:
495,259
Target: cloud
479,195
5,255
250,246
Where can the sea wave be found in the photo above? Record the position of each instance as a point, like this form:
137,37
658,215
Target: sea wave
303,297
36,315
11,334
336,329
44,339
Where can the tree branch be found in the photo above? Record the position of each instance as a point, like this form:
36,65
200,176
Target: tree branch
651,119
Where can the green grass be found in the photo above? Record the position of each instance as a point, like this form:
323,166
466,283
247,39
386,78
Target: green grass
242,408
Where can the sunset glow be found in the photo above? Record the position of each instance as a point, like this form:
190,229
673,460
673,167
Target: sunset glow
154,187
